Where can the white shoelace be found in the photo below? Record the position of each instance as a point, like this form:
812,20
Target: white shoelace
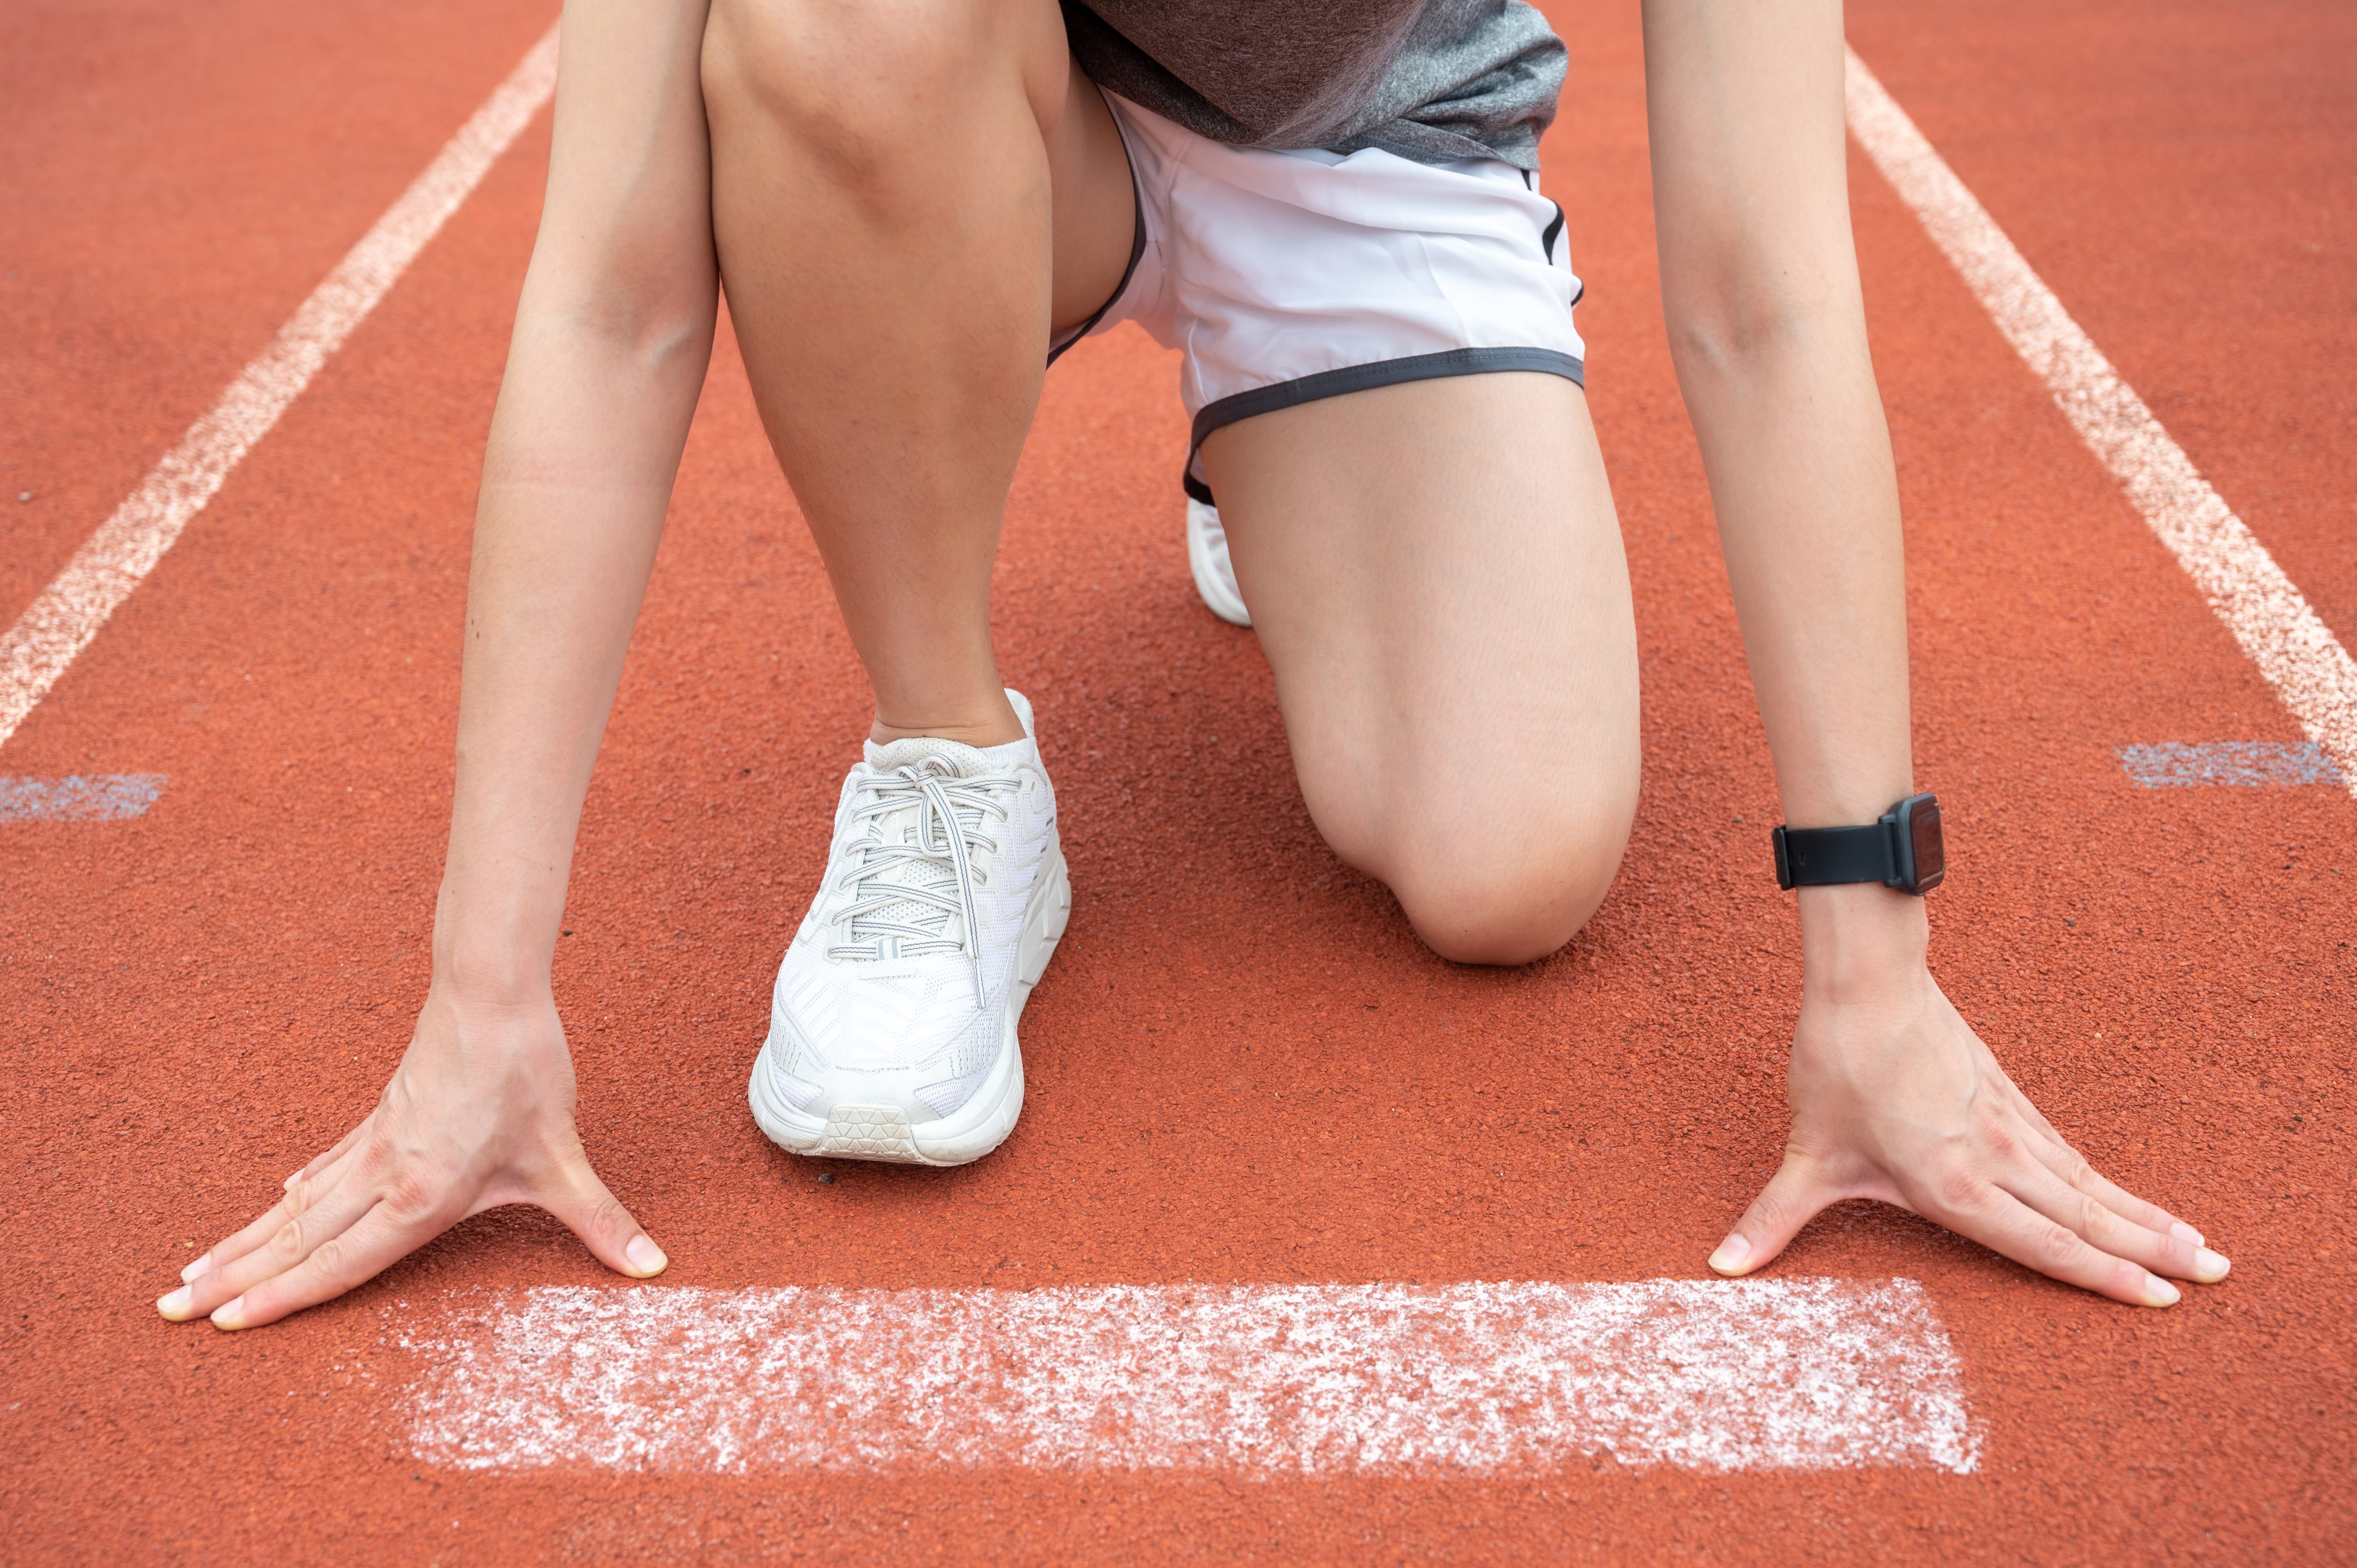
946,815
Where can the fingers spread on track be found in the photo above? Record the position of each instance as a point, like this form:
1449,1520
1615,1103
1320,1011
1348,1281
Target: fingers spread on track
304,1193
1980,1208
2106,1229
313,1210
2072,1167
379,1240
1795,1194
343,1145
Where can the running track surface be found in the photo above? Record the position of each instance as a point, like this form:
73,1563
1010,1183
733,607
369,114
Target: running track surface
1244,1069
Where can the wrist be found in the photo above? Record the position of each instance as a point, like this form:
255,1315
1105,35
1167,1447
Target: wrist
491,981
1860,939
494,957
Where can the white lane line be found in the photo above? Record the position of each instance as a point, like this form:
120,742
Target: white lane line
2293,649
57,626
1260,1382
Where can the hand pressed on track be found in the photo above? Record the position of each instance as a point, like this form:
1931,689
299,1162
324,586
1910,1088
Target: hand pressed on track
479,1114
1894,1096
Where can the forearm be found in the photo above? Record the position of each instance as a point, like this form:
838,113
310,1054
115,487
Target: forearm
1798,463
611,341
1767,327
1800,469
1893,1096
613,334
576,483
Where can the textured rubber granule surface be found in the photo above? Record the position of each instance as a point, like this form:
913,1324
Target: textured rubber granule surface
1242,1066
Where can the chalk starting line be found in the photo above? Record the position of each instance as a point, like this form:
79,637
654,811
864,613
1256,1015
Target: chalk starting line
1257,1381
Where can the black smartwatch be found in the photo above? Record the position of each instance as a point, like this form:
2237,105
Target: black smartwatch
1903,851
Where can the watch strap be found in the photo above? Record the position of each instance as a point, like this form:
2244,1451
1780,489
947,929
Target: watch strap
1818,857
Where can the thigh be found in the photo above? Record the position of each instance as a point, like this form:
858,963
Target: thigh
1093,199
1435,573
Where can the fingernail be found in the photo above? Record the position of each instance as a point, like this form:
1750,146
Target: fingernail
2208,1267
1731,1253
200,1266
2158,1292
290,1181
2184,1232
176,1305
645,1256
230,1313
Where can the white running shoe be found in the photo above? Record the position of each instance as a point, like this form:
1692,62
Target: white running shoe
892,1028
1215,575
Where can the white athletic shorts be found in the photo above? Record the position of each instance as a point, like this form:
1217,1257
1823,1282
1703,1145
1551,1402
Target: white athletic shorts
1288,276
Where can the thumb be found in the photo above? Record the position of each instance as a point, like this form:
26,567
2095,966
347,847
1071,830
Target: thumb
1790,1199
593,1213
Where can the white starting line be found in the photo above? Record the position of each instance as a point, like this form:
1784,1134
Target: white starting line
1257,1381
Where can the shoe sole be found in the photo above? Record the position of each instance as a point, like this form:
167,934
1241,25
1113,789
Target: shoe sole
884,1132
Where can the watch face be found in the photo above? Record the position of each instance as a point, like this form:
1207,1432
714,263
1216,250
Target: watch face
1931,855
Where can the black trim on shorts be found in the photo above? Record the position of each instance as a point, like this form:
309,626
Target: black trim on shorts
1383,373
1547,239
1365,378
1137,250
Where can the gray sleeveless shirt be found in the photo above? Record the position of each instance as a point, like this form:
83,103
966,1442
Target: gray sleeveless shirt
1429,80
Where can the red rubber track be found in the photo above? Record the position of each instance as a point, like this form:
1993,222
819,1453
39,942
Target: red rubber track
1243,1066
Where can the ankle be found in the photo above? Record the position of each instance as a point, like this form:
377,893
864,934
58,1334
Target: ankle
991,724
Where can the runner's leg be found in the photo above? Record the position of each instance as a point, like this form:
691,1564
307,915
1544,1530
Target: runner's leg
1435,571
907,199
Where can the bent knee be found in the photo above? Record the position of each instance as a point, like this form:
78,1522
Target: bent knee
1490,865
1498,874
850,82
1474,909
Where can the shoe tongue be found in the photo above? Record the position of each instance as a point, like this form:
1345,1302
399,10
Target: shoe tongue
964,762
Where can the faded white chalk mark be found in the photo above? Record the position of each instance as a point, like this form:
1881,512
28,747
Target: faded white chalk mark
2245,763
80,797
